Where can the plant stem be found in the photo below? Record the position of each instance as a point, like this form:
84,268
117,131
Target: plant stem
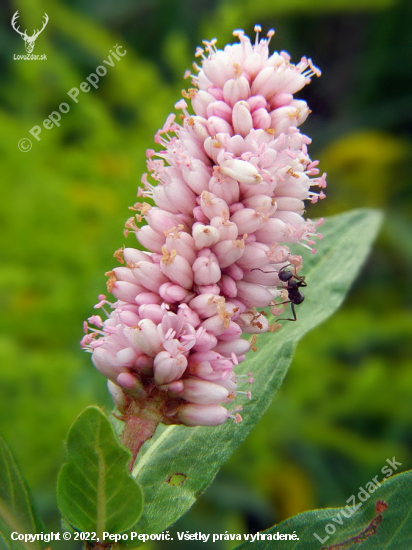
140,425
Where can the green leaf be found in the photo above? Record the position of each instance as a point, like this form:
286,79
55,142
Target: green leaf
95,491
196,454
17,513
389,528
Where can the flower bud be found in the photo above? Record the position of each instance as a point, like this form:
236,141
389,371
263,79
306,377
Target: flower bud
168,368
253,295
202,415
203,392
205,235
242,120
172,293
241,170
177,269
145,337
206,268
149,275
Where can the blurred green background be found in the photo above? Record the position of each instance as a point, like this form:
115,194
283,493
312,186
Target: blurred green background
346,405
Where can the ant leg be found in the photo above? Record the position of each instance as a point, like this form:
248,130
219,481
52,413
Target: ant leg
284,267
281,303
258,269
293,311
301,280
278,271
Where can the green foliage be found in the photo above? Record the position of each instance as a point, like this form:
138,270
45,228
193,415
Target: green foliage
369,164
17,513
95,491
328,418
230,14
372,525
174,450
63,209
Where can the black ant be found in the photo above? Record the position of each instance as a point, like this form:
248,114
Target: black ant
294,283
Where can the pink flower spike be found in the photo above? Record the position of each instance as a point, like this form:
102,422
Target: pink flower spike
219,211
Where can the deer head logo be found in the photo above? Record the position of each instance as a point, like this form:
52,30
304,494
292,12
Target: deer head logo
29,40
